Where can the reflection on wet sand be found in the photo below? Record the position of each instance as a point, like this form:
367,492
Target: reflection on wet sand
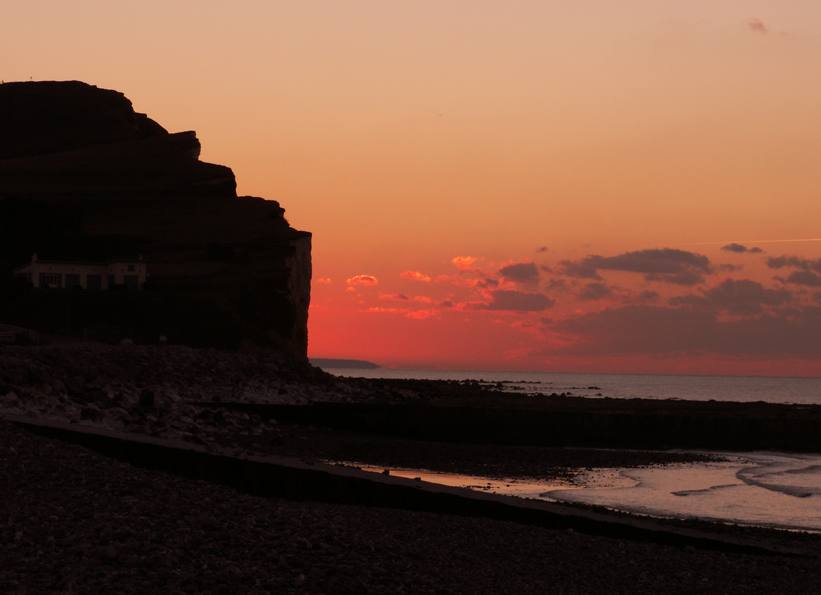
762,488
522,488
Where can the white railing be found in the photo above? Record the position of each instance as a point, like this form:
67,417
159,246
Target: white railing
12,334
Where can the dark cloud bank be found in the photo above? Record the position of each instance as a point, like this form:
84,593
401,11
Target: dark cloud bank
516,301
668,265
808,272
738,318
523,272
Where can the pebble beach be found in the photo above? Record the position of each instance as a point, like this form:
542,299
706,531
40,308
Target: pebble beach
75,521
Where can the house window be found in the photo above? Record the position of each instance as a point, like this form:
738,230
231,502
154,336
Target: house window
111,281
50,280
130,267
94,282
72,280
131,282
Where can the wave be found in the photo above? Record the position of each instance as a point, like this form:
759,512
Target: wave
773,476
703,491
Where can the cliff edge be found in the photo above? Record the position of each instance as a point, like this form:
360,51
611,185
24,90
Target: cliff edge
85,180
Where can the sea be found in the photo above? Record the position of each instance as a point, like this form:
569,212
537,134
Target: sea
623,386
767,489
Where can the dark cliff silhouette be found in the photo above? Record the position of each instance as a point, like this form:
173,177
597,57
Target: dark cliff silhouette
84,178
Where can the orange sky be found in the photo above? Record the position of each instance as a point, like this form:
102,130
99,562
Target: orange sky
606,151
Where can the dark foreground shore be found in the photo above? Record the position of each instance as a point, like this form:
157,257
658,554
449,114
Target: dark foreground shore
72,521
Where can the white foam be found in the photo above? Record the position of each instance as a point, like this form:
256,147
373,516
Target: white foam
765,489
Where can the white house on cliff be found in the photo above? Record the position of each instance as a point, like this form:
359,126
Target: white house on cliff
55,274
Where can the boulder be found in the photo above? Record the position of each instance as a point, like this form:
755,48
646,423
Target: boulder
147,399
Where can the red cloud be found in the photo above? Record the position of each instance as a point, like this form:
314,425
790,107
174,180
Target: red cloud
327,281
362,280
415,276
464,263
417,314
421,314
378,310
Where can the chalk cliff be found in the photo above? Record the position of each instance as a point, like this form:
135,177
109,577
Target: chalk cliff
83,177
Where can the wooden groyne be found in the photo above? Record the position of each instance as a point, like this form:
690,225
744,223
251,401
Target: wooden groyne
634,424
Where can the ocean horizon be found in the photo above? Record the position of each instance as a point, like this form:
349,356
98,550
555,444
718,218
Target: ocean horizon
770,389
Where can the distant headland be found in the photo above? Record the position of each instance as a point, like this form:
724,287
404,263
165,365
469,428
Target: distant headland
356,364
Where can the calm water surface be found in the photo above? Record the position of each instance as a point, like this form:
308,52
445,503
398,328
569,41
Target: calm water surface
625,386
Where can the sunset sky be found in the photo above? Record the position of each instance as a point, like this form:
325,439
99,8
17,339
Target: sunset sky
598,186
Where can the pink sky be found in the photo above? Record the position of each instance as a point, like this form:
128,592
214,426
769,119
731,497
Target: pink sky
558,186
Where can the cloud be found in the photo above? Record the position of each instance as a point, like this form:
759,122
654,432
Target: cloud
664,261
407,313
517,354
462,279
378,310
557,285
594,291
422,298
647,296
542,249
688,278
578,269
781,262
806,275
422,314
805,278
742,297
516,301
668,265
661,331
485,283
756,26
464,263
394,296
415,276
368,280
521,272
325,281
636,329
739,248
